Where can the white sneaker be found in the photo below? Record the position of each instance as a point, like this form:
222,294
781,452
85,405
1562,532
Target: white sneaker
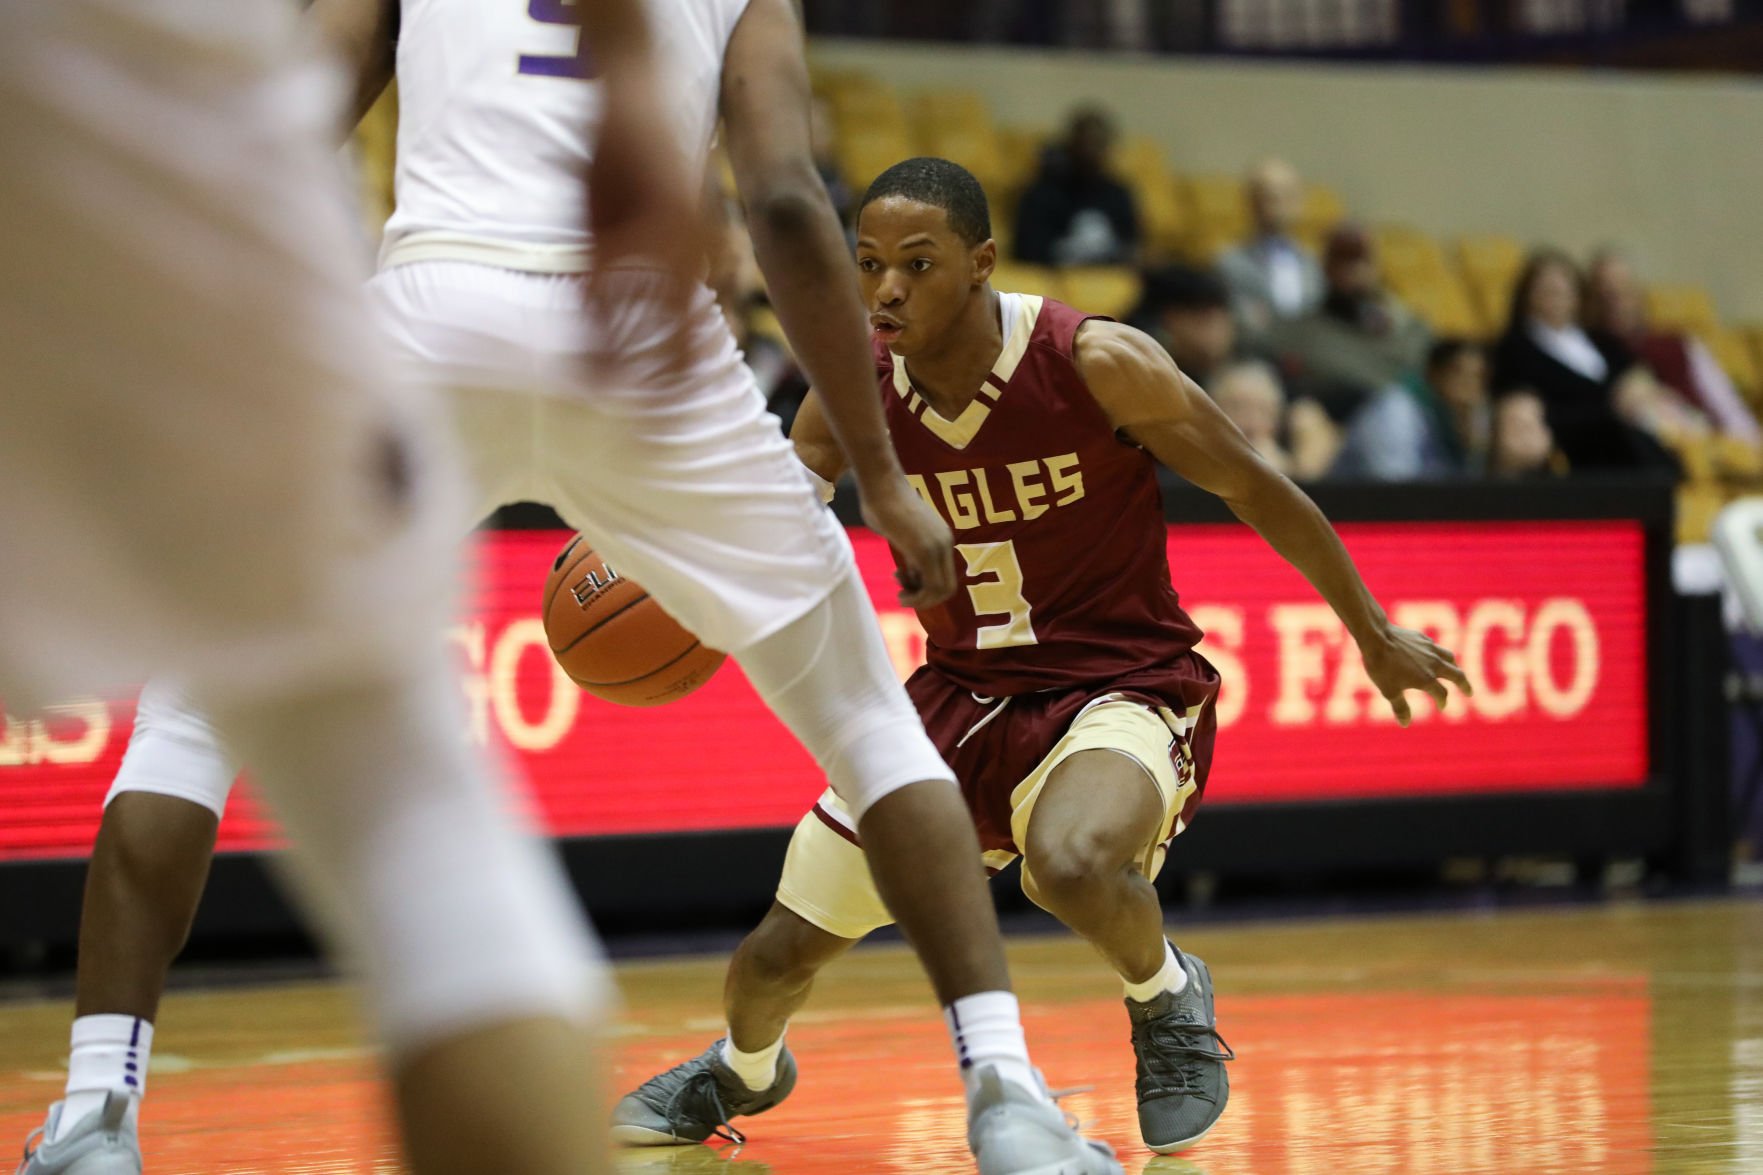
102,1143
1011,1132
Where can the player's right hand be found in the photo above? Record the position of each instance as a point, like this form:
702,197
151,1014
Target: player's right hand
1403,659
923,544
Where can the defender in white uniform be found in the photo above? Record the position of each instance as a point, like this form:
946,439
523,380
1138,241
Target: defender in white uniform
622,401
207,469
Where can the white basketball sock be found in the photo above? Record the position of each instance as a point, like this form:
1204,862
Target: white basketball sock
757,1070
1171,977
108,1054
987,1031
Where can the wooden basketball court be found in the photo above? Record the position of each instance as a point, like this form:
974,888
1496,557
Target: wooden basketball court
1618,1038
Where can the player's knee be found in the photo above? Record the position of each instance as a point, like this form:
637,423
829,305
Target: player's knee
1069,870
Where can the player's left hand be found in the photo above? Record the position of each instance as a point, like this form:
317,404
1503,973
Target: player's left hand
1403,659
922,542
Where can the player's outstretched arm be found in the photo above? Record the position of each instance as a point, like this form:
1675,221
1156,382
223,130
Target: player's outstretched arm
364,36
1151,401
808,272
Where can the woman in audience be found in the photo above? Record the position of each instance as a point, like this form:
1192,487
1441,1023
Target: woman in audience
1576,377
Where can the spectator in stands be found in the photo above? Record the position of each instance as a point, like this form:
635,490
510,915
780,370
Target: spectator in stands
1578,379
1074,212
1615,307
1359,341
1429,426
1300,442
1271,276
1188,311
1521,444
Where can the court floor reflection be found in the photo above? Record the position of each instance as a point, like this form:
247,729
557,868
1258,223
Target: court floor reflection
1622,1038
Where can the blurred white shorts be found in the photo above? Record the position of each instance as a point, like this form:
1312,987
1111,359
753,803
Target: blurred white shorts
188,366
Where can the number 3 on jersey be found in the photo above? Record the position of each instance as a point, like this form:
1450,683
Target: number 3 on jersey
569,65
995,587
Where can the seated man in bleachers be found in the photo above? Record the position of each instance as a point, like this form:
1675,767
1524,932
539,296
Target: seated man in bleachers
1430,426
1299,441
1188,312
1360,340
1075,212
1615,308
1271,276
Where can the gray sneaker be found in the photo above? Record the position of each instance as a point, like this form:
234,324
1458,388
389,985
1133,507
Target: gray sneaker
1011,1132
694,1101
1182,1085
101,1143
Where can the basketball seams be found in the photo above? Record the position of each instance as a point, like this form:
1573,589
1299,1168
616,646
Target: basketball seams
601,623
686,652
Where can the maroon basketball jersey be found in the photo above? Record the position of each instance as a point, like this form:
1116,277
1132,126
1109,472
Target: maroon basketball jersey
1060,540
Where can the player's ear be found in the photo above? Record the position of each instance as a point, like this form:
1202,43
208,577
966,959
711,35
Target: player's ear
985,259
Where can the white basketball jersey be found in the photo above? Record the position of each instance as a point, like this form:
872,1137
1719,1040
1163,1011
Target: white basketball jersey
498,108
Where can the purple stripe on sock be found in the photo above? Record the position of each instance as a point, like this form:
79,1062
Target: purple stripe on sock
130,1067
966,1061
129,1080
135,1034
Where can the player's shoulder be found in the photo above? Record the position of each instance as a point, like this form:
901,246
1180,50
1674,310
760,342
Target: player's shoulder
1103,348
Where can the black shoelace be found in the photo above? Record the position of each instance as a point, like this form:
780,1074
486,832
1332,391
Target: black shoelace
671,1091
1176,1059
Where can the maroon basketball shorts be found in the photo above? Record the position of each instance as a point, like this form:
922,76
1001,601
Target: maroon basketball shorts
1002,751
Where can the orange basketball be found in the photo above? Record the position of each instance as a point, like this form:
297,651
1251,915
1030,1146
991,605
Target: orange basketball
613,640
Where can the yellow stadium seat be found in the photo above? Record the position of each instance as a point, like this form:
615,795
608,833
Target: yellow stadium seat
1323,209
1102,289
1219,209
955,125
1696,507
1406,252
1443,303
1733,352
1490,267
865,155
1022,157
1751,335
952,108
1737,459
871,108
1017,278
1140,159
1203,244
1165,218
1682,308
1696,454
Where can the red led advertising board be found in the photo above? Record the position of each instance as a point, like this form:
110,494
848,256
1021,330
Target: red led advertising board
1548,618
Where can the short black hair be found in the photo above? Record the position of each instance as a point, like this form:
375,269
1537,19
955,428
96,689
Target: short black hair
1181,287
1446,351
941,184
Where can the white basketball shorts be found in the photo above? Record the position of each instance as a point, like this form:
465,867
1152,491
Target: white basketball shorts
675,472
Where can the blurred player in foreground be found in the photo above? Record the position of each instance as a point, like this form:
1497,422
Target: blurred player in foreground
1062,684
208,469
610,388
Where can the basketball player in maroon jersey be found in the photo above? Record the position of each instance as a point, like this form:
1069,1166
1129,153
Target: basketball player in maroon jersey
1063,685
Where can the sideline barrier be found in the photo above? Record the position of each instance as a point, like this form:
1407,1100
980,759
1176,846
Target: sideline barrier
1555,597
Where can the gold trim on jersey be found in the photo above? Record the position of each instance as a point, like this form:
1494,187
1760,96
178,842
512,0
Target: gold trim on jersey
959,433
